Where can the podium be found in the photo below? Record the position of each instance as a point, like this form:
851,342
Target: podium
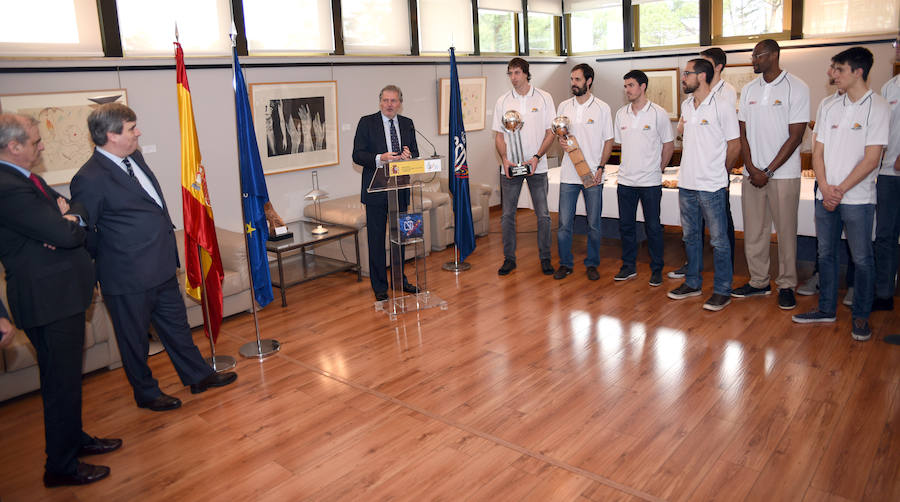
406,228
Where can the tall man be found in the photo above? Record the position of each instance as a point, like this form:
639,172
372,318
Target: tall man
887,210
773,114
591,125
50,284
711,146
645,133
536,108
385,136
133,243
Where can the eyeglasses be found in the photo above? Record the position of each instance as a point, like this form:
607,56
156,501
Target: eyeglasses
757,56
691,72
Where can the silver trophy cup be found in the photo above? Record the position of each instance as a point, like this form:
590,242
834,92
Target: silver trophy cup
560,127
512,122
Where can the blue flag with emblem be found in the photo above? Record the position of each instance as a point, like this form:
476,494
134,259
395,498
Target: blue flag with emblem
459,176
253,190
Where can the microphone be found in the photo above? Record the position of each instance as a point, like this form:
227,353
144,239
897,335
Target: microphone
434,154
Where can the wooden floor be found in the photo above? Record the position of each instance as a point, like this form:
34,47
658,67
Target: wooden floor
526,388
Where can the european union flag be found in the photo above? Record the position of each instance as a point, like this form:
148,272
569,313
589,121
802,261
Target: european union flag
459,176
253,189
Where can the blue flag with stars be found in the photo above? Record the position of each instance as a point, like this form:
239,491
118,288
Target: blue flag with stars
459,176
253,190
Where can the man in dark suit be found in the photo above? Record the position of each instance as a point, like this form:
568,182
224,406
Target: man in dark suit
133,242
383,137
49,284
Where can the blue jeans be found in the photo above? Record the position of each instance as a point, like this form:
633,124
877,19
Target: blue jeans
697,205
593,205
856,222
650,198
887,231
509,195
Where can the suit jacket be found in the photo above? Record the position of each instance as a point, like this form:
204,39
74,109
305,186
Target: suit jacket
43,285
369,142
131,237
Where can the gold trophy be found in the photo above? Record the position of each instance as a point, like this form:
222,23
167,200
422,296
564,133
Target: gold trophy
560,127
512,122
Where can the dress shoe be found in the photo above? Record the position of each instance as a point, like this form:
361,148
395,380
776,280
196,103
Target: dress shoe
409,288
99,446
162,403
84,474
214,380
381,296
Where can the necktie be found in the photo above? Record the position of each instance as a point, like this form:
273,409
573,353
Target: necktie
128,167
395,141
34,179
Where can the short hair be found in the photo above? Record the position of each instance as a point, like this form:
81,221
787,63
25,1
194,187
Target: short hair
109,117
391,88
520,64
717,55
586,70
770,45
13,127
703,66
639,76
856,57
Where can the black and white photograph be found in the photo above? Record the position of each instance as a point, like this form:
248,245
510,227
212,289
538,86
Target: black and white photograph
295,125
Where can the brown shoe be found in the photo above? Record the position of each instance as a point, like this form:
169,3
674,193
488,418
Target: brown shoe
84,474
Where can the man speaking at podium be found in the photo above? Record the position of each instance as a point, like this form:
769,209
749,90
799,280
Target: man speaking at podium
383,137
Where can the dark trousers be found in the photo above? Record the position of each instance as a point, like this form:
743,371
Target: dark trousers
163,306
59,348
650,198
376,231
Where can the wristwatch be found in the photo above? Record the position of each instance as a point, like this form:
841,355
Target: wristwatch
537,156
768,173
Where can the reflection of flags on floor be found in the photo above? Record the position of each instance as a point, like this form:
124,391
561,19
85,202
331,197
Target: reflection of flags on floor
201,248
459,176
253,188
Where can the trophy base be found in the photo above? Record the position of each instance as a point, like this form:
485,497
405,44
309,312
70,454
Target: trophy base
587,180
281,237
519,170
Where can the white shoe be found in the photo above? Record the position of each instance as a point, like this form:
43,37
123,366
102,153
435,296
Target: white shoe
848,298
810,287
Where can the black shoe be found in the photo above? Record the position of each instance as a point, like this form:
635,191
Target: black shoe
508,266
214,380
883,304
656,278
84,474
625,273
381,296
683,291
861,331
562,272
546,267
592,274
678,273
409,288
162,403
99,446
747,290
717,302
786,300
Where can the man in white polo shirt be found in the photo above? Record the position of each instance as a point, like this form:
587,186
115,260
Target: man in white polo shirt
773,114
645,133
711,146
887,210
536,108
590,124
846,156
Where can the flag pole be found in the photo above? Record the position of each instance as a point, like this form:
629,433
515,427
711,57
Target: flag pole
218,363
454,266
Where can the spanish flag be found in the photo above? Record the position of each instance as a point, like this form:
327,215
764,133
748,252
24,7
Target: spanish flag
201,248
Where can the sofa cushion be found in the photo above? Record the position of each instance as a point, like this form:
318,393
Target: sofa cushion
20,354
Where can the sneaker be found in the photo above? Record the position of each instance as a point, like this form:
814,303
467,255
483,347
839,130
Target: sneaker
861,331
813,316
592,274
717,302
546,267
679,273
683,291
848,298
810,287
656,278
883,304
562,272
508,266
786,300
625,273
748,290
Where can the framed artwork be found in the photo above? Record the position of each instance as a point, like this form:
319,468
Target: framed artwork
296,124
471,90
662,88
738,75
62,121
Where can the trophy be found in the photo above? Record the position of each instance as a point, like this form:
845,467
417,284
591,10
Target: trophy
512,122
560,127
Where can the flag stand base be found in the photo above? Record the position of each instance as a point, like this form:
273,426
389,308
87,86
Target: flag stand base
456,266
221,363
260,349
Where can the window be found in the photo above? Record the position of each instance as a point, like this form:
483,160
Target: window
666,22
148,28
849,17
279,26
27,28
445,22
543,26
375,26
595,26
497,31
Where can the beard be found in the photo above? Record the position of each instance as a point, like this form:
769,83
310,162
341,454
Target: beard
688,89
579,91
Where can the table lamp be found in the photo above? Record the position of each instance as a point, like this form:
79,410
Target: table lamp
315,195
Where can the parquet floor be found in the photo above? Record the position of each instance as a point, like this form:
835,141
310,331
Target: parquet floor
526,388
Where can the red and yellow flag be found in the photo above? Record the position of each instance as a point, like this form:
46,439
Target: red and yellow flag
201,248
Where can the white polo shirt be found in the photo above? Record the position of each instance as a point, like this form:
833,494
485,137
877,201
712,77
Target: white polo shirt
591,124
767,109
822,105
725,91
537,109
891,93
847,129
642,136
707,130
